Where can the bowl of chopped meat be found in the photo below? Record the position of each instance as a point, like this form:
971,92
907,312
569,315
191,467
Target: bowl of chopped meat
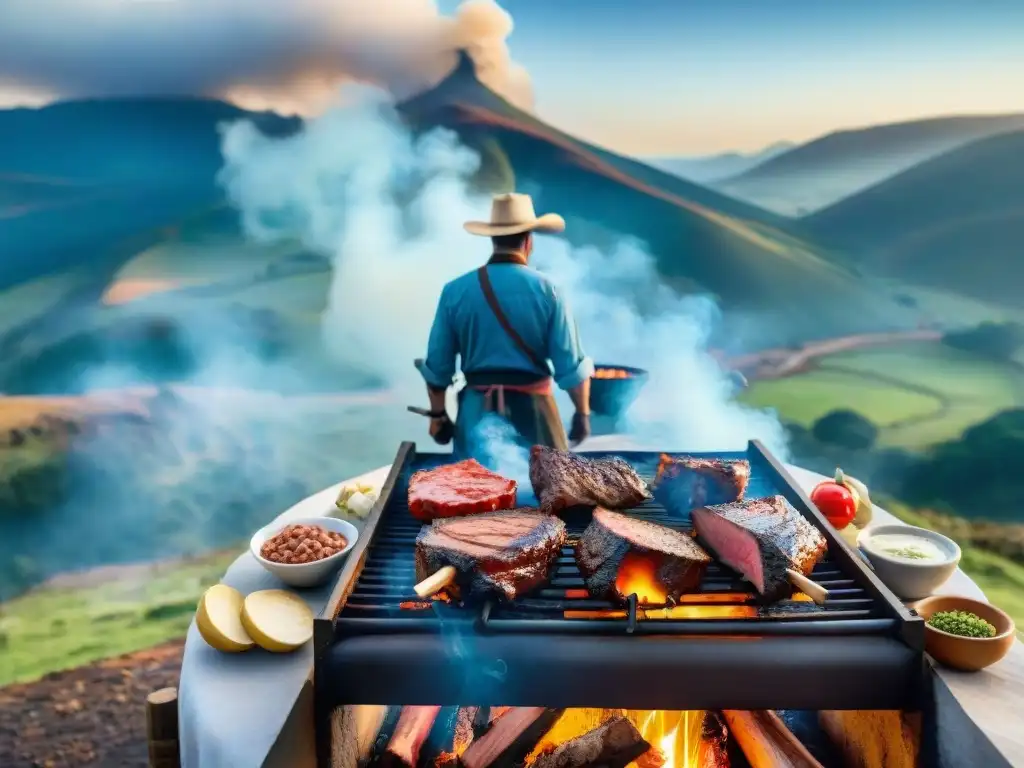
614,388
304,552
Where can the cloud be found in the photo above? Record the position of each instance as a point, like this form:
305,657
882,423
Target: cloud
263,52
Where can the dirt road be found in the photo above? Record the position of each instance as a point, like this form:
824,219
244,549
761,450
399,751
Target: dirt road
781,362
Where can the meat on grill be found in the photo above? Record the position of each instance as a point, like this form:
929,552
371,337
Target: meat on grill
613,744
463,488
618,555
761,539
562,479
509,552
685,482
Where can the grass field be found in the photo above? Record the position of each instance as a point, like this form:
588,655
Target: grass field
54,628
919,393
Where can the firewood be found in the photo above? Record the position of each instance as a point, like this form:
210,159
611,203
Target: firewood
613,744
414,725
874,738
510,738
765,740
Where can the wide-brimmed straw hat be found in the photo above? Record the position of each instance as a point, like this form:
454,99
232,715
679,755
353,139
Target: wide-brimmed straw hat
512,214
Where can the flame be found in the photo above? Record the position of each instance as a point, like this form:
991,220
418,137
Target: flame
668,746
673,612
674,736
638,573
701,612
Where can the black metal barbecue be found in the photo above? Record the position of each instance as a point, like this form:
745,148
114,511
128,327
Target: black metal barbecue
379,643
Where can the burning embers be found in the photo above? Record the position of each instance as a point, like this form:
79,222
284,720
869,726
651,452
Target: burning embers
532,737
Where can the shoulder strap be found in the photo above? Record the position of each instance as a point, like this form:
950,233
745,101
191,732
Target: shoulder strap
492,301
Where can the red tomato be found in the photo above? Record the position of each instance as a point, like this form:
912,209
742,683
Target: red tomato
835,502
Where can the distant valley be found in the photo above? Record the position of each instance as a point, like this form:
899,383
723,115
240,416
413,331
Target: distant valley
821,172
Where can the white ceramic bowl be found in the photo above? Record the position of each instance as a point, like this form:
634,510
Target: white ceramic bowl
305,574
910,579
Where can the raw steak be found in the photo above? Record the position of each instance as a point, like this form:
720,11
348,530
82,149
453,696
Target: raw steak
562,479
618,555
463,488
685,482
761,538
613,744
509,552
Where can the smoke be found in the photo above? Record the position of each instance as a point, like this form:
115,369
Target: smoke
291,56
389,208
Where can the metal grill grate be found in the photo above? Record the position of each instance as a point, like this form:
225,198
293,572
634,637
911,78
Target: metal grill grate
383,600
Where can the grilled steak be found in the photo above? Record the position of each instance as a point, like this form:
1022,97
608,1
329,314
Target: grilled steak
618,555
562,479
761,538
463,488
685,482
508,552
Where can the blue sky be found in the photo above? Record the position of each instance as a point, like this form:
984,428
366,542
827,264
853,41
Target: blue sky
677,77
645,77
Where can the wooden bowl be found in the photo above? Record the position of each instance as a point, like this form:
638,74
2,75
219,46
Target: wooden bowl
968,654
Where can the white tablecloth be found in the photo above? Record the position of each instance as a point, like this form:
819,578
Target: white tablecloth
232,707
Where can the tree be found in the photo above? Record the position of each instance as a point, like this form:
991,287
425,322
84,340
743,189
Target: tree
980,475
1000,341
845,428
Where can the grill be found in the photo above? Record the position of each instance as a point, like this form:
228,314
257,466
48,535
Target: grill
715,649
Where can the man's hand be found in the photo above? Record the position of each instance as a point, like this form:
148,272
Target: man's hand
580,429
442,430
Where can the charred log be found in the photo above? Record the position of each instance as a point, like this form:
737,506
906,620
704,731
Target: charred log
511,737
413,728
613,744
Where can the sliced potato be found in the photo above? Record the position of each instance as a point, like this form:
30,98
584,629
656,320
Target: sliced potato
219,619
278,621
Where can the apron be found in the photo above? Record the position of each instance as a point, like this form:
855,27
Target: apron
533,417
522,399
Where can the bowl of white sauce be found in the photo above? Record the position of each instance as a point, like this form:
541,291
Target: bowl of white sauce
912,562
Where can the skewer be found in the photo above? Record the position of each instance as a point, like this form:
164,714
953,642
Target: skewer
436,582
814,591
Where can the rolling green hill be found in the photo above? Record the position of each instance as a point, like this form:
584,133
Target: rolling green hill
955,222
840,164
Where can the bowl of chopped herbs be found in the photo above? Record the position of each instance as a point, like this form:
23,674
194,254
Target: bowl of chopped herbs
965,634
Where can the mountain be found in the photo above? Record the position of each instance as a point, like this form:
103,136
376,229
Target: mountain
701,239
137,167
711,168
840,164
103,177
955,221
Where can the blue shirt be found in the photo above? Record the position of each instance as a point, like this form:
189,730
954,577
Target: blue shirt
465,326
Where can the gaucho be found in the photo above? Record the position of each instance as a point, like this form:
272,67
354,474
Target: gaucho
515,336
